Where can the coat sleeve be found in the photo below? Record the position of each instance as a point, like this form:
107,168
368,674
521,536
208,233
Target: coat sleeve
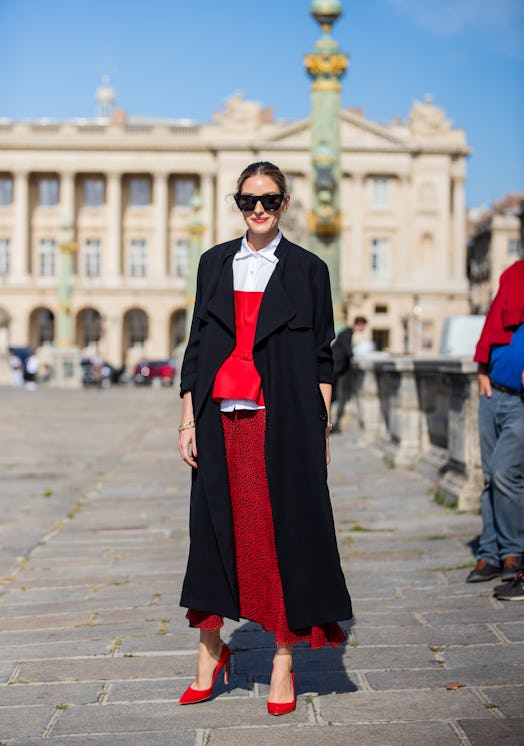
188,373
323,322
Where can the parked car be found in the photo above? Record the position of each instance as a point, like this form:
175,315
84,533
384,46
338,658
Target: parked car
151,371
102,375
460,335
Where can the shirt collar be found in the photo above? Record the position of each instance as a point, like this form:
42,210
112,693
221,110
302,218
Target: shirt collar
268,252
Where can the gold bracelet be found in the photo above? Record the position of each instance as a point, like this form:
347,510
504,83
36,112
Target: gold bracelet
186,425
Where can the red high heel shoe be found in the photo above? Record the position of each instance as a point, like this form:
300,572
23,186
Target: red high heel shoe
192,696
282,708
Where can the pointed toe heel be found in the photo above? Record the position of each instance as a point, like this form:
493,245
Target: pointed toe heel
192,696
283,708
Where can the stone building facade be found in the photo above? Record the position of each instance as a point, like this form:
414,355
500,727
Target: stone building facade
494,243
126,185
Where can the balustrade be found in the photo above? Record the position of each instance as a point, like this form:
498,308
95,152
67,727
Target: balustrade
423,414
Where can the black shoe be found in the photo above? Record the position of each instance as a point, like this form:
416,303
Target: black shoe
513,591
483,571
512,566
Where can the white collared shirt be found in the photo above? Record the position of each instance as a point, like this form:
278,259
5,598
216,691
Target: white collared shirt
251,273
252,269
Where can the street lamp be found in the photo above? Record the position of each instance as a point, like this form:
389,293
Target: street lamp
66,357
67,246
326,66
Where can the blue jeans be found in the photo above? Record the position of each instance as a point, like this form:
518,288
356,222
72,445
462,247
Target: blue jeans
501,432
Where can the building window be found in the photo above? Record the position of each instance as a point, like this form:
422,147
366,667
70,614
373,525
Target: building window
48,191
380,339
381,308
178,328
380,258
46,257
93,192
139,191
514,246
5,256
137,258
428,335
92,257
44,325
137,327
90,327
185,187
380,192
181,258
6,191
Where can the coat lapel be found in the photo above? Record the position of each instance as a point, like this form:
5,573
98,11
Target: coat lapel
276,308
221,305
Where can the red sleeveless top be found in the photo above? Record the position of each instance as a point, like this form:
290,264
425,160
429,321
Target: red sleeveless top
238,378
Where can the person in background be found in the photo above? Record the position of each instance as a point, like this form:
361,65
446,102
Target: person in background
500,357
31,371
256,385
342,355
17,370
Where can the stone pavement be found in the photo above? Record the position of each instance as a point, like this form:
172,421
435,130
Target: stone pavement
96,651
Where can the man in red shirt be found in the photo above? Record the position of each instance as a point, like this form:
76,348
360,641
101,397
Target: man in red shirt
500,355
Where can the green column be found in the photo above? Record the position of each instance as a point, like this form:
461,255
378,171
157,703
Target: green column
67,247
326,65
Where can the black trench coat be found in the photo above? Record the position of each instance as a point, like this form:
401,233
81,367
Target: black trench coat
292,353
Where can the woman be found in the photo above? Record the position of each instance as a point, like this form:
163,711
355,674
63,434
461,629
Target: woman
256,385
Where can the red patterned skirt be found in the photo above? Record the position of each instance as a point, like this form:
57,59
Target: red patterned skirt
258,577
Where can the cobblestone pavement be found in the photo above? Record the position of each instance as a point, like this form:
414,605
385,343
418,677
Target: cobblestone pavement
96,651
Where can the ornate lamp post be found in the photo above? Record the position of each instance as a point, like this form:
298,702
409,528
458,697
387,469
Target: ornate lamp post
196,229
326,65
65,354
67,247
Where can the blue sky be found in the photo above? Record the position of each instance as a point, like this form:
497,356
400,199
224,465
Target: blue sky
173,59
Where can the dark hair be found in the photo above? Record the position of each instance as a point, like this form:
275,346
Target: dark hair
266,169
360,320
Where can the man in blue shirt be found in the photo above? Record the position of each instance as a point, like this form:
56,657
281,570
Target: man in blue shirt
500,354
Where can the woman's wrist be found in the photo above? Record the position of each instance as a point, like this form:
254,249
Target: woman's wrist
186,425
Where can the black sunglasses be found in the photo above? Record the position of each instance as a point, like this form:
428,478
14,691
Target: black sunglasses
270,202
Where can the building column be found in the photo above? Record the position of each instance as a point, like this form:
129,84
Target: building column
158,258
358,262
458,258
208,202
20,253
111,342
405,245
67,197
111,260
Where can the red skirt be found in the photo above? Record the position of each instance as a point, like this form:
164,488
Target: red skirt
259,584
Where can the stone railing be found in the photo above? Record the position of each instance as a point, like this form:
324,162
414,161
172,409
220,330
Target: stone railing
422,413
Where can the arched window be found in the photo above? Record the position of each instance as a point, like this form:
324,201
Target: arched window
136,328
178,328
41,327
89,327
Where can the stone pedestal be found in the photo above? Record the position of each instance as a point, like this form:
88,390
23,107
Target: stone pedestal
404,413
66,368
462,481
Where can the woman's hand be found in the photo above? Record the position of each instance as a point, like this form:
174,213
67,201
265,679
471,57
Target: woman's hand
187,433
326,390
188,447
